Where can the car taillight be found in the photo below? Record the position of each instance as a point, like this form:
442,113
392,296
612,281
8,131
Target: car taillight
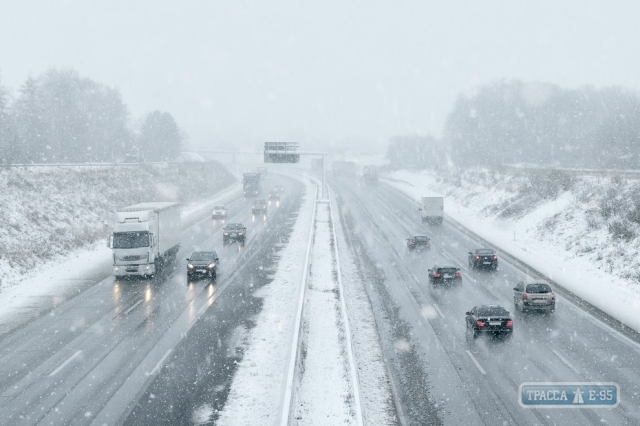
509,323
477,257
553,297
436,275
495,257
480,323
524,296
458,275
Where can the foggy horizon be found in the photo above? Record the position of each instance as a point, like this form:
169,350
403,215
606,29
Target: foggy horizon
342,74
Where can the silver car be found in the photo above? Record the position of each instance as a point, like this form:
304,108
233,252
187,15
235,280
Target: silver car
536,296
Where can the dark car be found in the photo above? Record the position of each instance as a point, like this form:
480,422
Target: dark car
418,243
534,297
234,232
202,263
259,207
483,259
274,196
445,275
493,319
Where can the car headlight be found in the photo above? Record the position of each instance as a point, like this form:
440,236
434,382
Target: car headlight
116,269
239,233
212,265
190,266
226,233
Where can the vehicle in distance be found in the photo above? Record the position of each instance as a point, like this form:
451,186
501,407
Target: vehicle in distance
483,259
251,185
274,195
370,174
280,189
445,275
234,232
219,212
432,210
145,237
534,297
202,263
489,319
418,243
259,207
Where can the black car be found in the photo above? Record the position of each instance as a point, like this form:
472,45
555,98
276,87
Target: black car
202,263
418,243
274,195
234,232
259,207
445,275
493,319
483,259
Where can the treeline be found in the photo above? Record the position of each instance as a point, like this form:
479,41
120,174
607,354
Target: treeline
543,124
62,117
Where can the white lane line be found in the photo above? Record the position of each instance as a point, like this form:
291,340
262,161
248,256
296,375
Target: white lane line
156,369
132,307
565,361
475,361
64,364
439,311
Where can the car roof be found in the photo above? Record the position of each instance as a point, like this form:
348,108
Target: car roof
484,249
446,266
234,225
417,236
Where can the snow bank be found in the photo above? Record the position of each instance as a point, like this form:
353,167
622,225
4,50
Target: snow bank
563,231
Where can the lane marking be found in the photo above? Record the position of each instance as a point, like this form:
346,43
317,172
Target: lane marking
156,369
132,307
439,311
64,364
565,361
475,361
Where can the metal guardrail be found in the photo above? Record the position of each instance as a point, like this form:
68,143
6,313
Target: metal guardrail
27,165
576,171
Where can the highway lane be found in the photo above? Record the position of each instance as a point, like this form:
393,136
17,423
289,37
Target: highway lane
475,382
67,366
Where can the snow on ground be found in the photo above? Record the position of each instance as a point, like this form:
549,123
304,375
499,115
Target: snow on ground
582,232
324,392
378,406
51,281
256,393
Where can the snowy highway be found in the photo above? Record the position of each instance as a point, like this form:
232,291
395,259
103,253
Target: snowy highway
442,378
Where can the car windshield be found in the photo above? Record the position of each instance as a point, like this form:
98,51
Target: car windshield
538,288
129,240
218,207
233,226
491,311
421,239
447,270
202,256
484,251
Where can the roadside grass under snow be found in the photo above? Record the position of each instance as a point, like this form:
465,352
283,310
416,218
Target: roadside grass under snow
581,231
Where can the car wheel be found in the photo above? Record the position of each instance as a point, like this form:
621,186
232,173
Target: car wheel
476,333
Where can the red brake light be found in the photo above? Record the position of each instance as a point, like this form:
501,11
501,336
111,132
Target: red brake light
458,275
553,297
436,275
495,257
524,296
480,323
509,323
477,257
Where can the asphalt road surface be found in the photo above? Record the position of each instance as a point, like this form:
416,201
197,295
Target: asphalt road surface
441,376
91,359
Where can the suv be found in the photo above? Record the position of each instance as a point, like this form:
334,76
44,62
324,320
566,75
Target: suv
419,243
219,212
202,263
259,207
492,319
483,258
234,232
534,297
445,275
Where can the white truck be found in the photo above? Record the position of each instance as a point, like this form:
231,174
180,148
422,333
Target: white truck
432,209
145,237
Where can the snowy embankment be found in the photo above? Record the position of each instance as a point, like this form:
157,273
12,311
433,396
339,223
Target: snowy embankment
54,223
580,231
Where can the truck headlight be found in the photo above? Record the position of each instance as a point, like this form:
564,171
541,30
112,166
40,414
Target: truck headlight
190,266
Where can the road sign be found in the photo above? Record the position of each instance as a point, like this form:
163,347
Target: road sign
569,395
281,152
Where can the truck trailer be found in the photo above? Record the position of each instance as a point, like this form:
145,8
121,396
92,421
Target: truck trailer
251,185
370,174
432,209
145,237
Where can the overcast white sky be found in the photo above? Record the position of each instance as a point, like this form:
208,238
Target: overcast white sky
336,71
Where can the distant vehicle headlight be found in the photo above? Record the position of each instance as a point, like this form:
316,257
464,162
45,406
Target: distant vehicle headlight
226,233
212,265
190,266
240,233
